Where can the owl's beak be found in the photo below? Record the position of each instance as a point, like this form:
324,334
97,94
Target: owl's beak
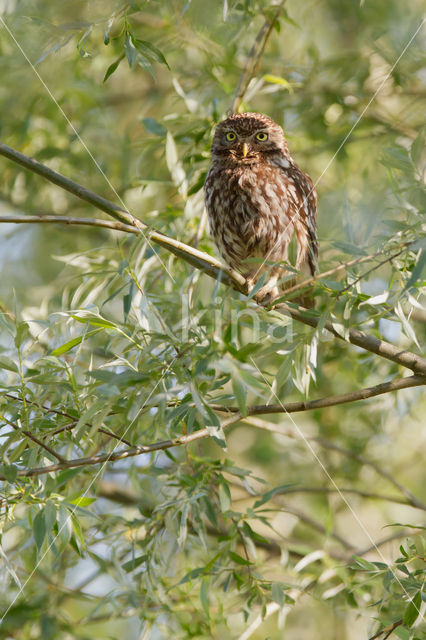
245,149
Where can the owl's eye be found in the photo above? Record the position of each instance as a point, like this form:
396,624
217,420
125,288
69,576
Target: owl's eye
230,136
261,136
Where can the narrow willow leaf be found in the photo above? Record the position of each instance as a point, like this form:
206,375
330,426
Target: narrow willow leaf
239,390
259,284
112,67
183,526
277,594
239,559
8,364
204,596
82,501
50,515
130,50
418,147
39,529
150,51
412,611
73,343
9,567
224,496
135,562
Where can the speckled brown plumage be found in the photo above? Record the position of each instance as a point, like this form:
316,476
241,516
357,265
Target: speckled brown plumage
257,197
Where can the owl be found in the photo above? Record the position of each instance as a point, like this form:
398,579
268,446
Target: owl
256,199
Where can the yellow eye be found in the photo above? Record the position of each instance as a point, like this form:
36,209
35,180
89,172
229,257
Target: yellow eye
230,136
261,136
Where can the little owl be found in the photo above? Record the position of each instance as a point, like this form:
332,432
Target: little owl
256,197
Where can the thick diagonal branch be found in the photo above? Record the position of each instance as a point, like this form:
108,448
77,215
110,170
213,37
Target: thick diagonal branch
196,258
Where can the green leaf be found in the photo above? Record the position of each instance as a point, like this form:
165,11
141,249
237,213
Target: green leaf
239,559
259,284
418,146
73,343
239,390
183,526
199,183
277,594
107,30
256,537
364,564
412,611
154,127
191,575
145,64
127,301
64,528
77,530
150,51
22,333
8,364
224,496
204,596
10,472
39,529
130,50
278,80
113,67
397,159
418,271
270,494
50,515
82,501
132,564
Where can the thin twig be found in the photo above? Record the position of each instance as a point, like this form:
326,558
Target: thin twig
301,515
253,58
377,266
114,435
388,630
32,437
357,492
43,406
344,267
325,274
380,543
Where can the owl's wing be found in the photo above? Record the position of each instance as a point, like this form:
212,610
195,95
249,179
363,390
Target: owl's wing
304,218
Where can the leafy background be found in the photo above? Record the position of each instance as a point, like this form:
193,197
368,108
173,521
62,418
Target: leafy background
103,337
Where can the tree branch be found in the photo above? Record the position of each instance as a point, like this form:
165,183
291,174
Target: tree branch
406,359
374,267
196,258
213,267
205,433
343,267
352,396
38,442
387,630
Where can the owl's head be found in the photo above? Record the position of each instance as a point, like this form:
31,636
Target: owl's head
248,137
